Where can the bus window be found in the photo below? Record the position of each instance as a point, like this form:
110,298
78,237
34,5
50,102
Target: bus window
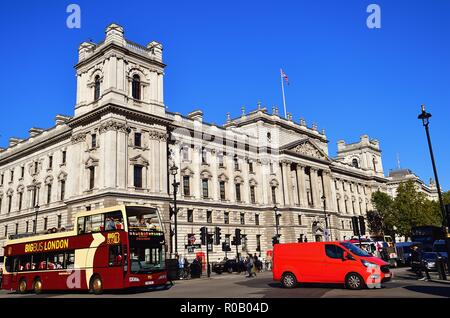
97,222
25,263
70,260
81,225
115,255
114,221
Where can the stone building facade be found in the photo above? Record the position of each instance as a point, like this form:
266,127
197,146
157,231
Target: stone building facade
121,142
398,176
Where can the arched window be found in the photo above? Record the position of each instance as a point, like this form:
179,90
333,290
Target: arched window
97,88
355,163
136,87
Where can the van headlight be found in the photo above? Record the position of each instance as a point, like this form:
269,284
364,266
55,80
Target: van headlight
367,263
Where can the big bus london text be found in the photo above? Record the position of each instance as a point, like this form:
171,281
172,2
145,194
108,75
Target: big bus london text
108,249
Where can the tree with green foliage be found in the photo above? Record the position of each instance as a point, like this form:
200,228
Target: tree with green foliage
409,208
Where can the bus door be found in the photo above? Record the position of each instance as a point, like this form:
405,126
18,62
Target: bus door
125,259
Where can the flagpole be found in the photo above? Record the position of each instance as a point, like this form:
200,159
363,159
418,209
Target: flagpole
282,90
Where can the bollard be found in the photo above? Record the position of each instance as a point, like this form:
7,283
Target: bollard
440,268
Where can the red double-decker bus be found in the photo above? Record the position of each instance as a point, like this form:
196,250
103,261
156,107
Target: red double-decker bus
108,249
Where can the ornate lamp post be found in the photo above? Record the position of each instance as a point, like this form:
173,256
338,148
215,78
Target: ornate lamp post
425,117
175,184
326,217
275,210
36,218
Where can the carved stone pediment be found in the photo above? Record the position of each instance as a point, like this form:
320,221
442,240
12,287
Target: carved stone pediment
306,148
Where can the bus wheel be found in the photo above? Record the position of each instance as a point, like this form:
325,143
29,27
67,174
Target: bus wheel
288,280
354,281
37,286
22,287
96,285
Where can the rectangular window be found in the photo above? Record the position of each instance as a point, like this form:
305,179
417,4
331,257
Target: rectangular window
238,192
1,199
209,216
250,167
17,229
59,221
9,203
6,230
271,167
342,225
256,219
190,216
226,217
138,177
91,177
49,193
50,162
220,158
64,156
137,139
115,255
242,218
20,200
27,223
274,195
22,172
185,153
338,205
252,194
94,141
36,165
299,219
258,243
186,186
205,188
45,223
1,179
204,159
12,176
222,190
63,189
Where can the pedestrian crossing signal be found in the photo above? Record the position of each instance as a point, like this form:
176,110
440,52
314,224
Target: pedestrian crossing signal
203,234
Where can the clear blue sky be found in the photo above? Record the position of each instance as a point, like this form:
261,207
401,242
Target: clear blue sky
225,54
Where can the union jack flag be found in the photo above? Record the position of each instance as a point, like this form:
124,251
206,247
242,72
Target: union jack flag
284,76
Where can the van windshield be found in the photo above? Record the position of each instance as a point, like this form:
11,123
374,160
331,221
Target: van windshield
355,250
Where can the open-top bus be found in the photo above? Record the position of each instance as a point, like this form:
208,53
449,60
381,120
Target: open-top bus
108,249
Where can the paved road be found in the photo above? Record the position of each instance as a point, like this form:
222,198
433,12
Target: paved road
404,284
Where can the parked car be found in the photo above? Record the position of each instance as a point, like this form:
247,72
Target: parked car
327,262
429,259
229,266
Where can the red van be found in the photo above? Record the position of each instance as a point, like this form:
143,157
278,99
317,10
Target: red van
328,262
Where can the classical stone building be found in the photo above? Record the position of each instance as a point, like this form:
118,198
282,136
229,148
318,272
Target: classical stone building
398,176
121,142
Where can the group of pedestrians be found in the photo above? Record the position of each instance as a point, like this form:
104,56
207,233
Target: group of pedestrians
253,265
188,270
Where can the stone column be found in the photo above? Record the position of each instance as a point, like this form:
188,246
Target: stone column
315,188
301,186
285,180
328,191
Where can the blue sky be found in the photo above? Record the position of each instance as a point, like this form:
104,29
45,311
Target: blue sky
222,55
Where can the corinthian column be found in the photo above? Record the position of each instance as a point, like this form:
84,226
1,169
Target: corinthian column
301,186
315,188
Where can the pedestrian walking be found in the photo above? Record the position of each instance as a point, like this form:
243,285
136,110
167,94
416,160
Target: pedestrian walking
181,267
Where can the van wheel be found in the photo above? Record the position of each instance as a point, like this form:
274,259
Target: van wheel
288,280
37,286
22,287
96,285
354,281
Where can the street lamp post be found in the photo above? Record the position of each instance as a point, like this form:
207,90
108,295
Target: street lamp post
175,184
275,209
326,217
36,217
425,117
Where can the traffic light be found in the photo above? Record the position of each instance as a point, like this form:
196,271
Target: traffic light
238,238
203,234
275,240
210,238
362,226
355,225
217,235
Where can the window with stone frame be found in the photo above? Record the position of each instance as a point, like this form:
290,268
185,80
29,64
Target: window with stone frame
20,200
186,185
236,162
222,190
190,216
226,217
62,189
220,159
258,242
137,176
205,189
136,87
94,141
185,153
64,157
252,194
96,87
137,139
209,217
242,218
274,194
50,162
91,177
250,167
256,219
204,156
238,192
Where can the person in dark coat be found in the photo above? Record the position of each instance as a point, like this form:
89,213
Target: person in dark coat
418,264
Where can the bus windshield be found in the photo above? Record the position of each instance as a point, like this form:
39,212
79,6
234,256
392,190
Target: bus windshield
146,240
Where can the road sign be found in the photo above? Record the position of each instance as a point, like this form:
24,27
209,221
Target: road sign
191,239
193,246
